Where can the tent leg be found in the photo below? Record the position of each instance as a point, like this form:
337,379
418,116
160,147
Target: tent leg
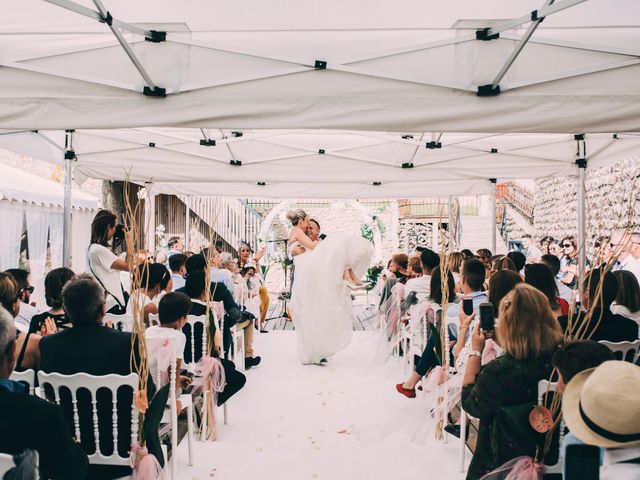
450,227
187,222
582,167
493,215
69,158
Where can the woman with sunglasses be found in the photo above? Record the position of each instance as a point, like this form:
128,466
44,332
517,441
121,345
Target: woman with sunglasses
569,261
27,344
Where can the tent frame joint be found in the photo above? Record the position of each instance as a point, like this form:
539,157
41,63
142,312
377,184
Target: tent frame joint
484,36
535,17
407,165
156,91
207,142
581,162
433,145
235,163
156,36
488,90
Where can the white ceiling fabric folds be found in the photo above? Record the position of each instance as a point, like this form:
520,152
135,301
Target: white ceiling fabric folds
320,163
405,66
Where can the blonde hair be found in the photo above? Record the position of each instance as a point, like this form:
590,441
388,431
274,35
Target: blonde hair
8,292
296,216
455,259
526,326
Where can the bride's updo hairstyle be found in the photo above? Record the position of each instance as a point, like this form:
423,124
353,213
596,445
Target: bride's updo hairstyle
295,216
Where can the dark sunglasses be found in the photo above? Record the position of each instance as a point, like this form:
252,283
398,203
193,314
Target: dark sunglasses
29,289
567,245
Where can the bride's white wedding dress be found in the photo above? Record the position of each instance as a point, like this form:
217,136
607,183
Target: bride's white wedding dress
321,299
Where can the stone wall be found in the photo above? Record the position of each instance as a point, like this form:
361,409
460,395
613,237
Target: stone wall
613,201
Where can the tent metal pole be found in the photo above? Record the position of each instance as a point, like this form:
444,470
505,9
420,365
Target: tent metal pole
493,215
582,258
127,48
450,227
519,46
69,158
187,222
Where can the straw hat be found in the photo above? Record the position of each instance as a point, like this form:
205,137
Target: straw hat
601,406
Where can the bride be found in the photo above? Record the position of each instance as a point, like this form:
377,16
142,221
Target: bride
320,295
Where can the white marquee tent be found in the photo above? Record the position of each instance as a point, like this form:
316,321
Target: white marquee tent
331,99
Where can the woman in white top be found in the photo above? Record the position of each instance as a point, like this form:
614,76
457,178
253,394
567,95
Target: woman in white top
627,301
103,264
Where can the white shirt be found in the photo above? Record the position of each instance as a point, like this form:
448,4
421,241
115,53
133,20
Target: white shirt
99,261
222,275
452,313
168,333
632,265
533,252
420,285
615,469
565,292
23,320
142,297
178,281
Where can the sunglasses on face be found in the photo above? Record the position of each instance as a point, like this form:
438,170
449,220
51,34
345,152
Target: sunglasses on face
567,245
29,289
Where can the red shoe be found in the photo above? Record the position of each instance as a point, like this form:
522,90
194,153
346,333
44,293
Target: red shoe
407,392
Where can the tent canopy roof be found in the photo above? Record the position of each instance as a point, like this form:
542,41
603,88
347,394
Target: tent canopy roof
321,163
412,66
20,186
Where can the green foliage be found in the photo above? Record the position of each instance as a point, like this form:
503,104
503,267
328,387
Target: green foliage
372,275
367,232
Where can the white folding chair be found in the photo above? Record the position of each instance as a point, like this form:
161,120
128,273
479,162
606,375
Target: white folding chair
28,377
626,351
93,383
120,322
170,416
545,386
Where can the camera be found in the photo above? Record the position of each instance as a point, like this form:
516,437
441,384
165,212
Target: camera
119,234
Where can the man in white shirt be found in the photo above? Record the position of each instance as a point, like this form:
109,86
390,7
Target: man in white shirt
421,285
531,251
635,245
25,289
622,245
472,279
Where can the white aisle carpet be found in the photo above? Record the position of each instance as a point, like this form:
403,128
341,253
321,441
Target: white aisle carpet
303,422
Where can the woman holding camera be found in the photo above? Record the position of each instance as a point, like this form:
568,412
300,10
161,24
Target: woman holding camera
528,333
102,262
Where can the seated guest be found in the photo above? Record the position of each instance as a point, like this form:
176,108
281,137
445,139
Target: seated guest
454,261
472,278
600,407
428,260
627,301
603,324
194,288
503,263
173,309
53,283
528,333
25,289
553,263
152,276
235,380
569,360
415,269
539,276
219,292
91,348
518,259
624,247
531,252
222,270
178,270
28,422
485,255
429,358
27,344
399,266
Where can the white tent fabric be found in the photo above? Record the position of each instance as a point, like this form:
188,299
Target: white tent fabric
42,201
321,163
406,66
10,234
19,186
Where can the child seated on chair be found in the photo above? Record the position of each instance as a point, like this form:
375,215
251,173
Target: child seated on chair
172,313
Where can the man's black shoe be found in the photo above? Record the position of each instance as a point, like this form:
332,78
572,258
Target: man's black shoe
251,362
